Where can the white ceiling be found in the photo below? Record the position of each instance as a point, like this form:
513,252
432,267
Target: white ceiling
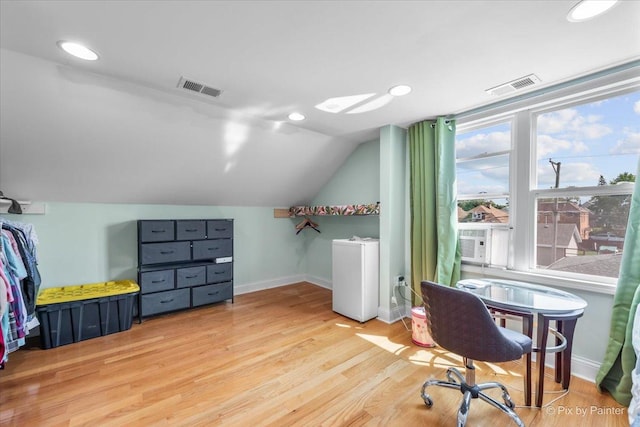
118,129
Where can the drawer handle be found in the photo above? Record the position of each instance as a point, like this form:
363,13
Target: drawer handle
157,281
212,249
218,272
191,230
166,301
166,252
213,293
158,231
191,277
221,229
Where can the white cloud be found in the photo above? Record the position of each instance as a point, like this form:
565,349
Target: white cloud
556,121
629,145
548,145
571,174
483,143
571,125
636,107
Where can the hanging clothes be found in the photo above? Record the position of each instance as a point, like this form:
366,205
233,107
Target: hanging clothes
19,285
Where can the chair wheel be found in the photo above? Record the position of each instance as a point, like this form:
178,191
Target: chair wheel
508,401
427,401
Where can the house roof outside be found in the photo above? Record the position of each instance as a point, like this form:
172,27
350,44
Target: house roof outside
563,207
565,233
489,214
606,265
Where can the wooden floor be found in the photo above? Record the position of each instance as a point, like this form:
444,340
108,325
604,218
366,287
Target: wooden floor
278,357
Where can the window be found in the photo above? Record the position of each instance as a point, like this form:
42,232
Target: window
482,174
587,155
546,187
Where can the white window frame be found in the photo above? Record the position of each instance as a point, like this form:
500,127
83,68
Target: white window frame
523,174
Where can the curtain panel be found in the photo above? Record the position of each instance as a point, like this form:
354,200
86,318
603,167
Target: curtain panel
435,250
620,358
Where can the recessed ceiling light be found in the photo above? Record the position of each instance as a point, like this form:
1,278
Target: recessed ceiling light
78,50
399,90
296,117
587,9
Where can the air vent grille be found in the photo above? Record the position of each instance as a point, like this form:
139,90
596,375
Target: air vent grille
198,87
514,85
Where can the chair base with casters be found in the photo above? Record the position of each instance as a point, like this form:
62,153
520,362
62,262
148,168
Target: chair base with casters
468,387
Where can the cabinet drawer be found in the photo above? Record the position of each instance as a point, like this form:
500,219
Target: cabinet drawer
190,230
156,253
191,276
211,249
209,294
219,272
156,231
219,229
154,281
165,301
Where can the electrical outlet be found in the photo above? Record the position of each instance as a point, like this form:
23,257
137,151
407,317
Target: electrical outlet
399,280
394,300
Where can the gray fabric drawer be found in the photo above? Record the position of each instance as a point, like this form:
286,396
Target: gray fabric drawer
156,231
211,249
154,281
191,230
219,272
209,294
165,301
191,276
219,229
156,253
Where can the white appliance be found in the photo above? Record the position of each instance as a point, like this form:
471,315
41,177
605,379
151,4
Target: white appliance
356,278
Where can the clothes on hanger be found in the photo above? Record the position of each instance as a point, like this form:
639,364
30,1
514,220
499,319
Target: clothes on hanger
19,284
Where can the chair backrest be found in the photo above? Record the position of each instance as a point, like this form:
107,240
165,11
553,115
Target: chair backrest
459,321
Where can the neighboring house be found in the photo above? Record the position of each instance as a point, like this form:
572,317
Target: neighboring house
484,213
567,242
606,265
568,213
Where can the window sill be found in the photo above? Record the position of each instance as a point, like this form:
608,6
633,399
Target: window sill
541,279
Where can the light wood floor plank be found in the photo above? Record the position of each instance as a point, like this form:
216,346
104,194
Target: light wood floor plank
279,357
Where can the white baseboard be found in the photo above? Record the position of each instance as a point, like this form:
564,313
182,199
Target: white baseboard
580,367
319,281
246,288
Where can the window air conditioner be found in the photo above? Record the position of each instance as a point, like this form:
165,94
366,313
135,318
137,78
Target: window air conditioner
474,243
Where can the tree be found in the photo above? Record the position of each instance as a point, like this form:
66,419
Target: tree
623,177
611,212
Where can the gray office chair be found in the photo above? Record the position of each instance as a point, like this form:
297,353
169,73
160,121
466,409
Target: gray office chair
460,323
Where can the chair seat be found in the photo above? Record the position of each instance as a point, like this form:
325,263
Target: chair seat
521,339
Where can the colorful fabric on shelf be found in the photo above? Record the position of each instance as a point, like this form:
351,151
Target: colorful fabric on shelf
366,209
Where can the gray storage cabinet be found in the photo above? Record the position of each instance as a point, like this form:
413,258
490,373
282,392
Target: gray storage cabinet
184,264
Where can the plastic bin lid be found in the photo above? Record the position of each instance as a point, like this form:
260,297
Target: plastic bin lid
88,291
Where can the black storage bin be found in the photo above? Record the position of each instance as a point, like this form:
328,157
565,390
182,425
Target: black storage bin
68,322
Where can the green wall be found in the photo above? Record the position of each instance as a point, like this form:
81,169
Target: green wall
87,243
357,181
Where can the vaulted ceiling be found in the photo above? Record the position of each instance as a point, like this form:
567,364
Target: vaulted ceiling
120,130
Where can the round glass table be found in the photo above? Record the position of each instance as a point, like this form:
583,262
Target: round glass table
525,300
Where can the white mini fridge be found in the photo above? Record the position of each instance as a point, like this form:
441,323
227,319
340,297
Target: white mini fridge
356,278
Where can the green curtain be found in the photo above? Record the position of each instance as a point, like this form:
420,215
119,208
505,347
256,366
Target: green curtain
435,251
620,358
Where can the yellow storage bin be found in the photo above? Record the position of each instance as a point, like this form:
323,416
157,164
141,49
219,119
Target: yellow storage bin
76,313
88,291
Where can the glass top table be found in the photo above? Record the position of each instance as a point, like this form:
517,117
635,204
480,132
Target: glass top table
549,305
515,295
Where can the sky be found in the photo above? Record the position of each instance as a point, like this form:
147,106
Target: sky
589,140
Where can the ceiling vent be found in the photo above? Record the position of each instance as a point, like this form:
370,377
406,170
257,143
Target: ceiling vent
518,84
198,87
